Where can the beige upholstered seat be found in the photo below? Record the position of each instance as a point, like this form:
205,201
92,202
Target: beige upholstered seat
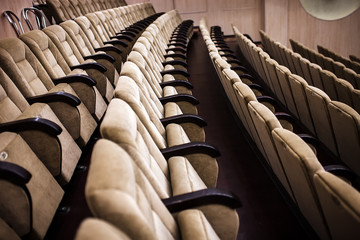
97,42
328,80
300,164
340,204
126,199
298,86
149,114
94,229
28,205
59,153
56,66
346,125
318,102
264,122
73,58
87,51
25,70
122,126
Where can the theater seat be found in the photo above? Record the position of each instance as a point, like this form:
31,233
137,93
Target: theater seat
74,59
50,141
56,66
126,199
300,164
346,125
340,204
94,229
30,195
25,70
122,126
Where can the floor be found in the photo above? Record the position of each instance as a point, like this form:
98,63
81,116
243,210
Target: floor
264,214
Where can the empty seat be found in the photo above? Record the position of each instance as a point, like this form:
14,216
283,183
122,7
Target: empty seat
340,204
30,195
346,125
88,52
300,164
122,126
56,66
50,141
74,59
93,229
265,121
32,80
125,198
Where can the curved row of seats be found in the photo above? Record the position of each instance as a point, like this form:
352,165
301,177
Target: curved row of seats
338,68
159,176
321,196
334,123
152,175
344,89
62,10
354,65
52,100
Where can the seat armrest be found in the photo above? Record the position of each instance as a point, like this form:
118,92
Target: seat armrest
256,87
182,83
175,62
200,198
190,148
176,49
55,97
240,68
76,78
122,36
179,98
309,139
93,65
175,71
178,44
108,48
245,75
284,116
117,42
100,56
341,170
39,124
178,40
184,118
178,55
268,99
230,61
14,173
228,55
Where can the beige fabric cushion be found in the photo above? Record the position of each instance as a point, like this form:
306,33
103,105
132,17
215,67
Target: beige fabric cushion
300,164
340,204
45,192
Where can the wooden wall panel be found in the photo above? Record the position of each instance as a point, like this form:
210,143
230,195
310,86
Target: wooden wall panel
15,6
285,19
190,6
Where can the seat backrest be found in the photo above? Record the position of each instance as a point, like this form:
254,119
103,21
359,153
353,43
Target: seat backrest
24,68
28,209
283,76
90,31
298,85
98,26
64,44
344,89
47,53
265,121
340,204
93,229
315,75
124,197
346,125
86,6
57,10
318,105
300,164
78,36
328,80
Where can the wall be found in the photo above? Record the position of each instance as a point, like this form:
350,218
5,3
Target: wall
285,19
15,6
246,15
